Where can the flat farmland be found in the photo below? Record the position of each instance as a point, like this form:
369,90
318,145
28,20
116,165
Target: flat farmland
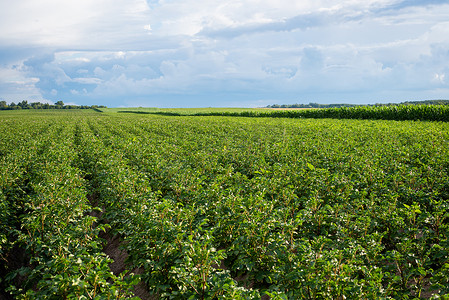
221,207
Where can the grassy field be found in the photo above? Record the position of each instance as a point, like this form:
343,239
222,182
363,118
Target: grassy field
187,111
394,112
117,205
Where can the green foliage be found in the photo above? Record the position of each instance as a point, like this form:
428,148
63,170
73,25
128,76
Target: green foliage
393,112
317,105
208,207
38,105
400,112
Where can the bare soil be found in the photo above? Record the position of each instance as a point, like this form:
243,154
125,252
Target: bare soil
113,250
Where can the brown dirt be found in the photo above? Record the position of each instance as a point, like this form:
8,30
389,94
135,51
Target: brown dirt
113,250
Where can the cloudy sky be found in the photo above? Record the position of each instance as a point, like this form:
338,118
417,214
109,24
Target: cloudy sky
247,53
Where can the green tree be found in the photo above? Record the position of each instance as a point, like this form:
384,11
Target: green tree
36,105
24,104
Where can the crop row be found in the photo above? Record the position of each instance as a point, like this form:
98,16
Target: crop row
229,208
50,245
353,209
393,112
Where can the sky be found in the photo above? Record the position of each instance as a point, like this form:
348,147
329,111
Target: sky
223,53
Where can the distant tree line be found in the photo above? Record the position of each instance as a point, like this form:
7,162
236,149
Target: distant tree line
38,105
310,105
317,105
423,102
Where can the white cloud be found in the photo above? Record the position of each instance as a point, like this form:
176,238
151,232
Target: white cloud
147,28
74,24
259,49
15,86
440,78
87,80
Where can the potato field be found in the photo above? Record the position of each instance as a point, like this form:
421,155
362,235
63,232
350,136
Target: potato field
97,205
